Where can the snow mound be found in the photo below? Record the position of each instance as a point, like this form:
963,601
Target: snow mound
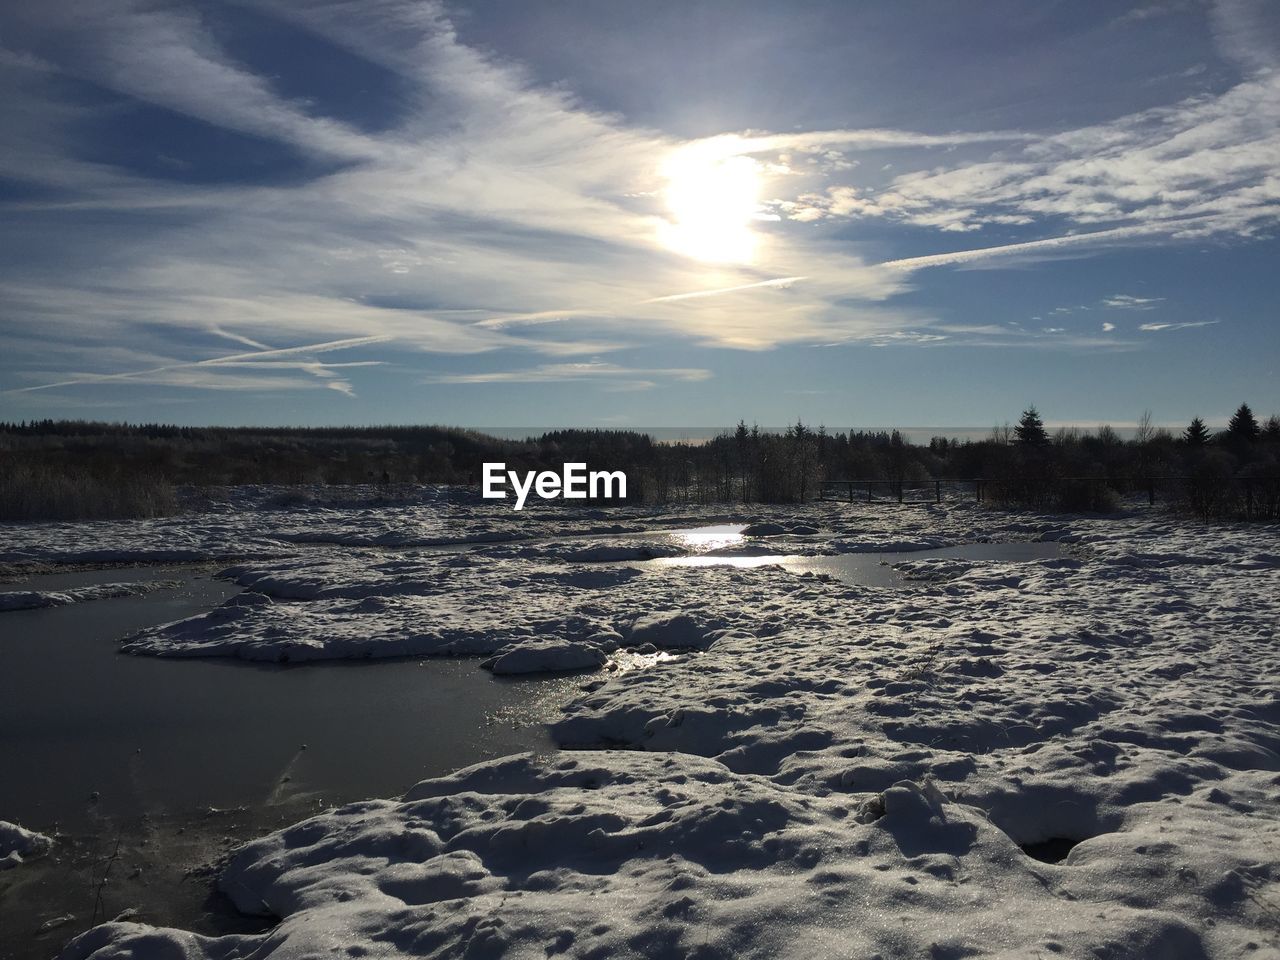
546,655
668,631
784,528
889,544
36,599
17,845
318,607
614,553
934,568
641,855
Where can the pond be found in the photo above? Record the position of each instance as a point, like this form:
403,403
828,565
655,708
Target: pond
869,569
165,764
91,734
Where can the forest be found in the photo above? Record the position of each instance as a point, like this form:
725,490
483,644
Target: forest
66,470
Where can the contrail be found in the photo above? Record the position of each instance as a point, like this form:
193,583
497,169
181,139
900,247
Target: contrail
554,316
1008,249
777,282
218,331
235,358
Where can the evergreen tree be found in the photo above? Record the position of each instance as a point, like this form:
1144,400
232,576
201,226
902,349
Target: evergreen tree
1197,434
1030,429
1271,431
1243,426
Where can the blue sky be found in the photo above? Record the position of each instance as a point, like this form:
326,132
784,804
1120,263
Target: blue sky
669,213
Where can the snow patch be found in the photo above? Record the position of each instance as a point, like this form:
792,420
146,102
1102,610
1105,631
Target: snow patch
546,655
18,845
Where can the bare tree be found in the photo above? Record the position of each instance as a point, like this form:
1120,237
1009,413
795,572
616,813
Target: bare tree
1145,430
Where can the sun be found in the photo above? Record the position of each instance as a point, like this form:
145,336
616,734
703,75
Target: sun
713,199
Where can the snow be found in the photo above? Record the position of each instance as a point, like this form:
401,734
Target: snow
17,845
546,655
827,769
35,599
672,630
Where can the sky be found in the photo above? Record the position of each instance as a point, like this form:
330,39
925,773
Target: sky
600,214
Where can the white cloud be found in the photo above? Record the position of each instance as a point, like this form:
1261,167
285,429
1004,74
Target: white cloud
616,376
1205,166
203,373
1246,31
1045,246
495,214
1124,301
1177,326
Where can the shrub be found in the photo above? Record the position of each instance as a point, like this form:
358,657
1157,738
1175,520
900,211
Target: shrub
31,493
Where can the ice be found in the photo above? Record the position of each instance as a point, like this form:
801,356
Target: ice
546,655
35,599
606,553
17,845
1072,757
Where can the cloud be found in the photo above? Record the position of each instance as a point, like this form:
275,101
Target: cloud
196,373
1047,245
1246,32
617,377
496,214
776,282
1177,326
1108,327
1123,301
1201,167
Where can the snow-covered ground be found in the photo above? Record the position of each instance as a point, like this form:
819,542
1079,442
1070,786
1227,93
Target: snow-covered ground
35,599
17,844
822,769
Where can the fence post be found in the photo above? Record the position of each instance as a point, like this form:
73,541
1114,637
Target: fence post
868,491
900,485
1248,497
937,491
1151,492
851,491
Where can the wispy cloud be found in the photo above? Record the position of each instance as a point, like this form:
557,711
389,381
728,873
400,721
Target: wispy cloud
1177,326
616,376
1048,245
1201,167
196,373
1124,301
776,282
494,213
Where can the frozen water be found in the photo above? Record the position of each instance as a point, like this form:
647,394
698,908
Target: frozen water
827,767
148,736
18,845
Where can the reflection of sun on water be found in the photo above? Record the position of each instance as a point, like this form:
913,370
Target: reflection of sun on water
713,199
701,539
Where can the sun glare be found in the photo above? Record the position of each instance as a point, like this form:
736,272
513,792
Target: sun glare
713,198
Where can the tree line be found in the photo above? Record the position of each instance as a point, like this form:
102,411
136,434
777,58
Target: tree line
73,469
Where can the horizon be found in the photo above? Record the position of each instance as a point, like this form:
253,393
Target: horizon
911,433
684,214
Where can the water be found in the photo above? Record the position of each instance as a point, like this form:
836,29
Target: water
125,756
90,733
871,569
717,546
159,736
